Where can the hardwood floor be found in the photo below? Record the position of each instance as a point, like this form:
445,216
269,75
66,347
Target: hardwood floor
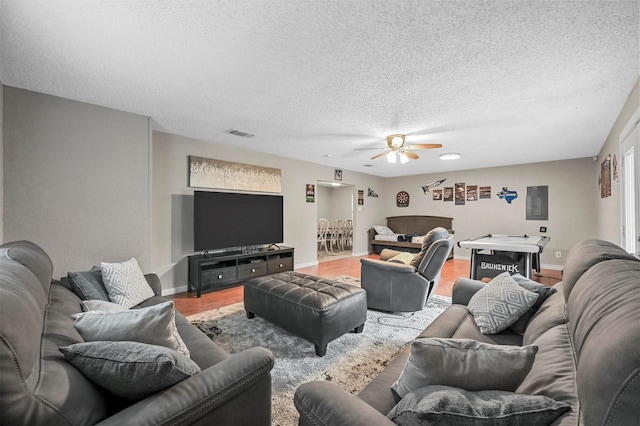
188,304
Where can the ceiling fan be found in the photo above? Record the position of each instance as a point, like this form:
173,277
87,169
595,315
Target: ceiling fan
399,153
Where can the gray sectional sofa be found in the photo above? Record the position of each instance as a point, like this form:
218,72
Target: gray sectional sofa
588,339
39,387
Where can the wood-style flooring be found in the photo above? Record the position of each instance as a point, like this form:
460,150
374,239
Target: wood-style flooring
188,304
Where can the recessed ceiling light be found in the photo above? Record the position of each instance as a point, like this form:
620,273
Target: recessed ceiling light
327,156
241,133
367,165
450,156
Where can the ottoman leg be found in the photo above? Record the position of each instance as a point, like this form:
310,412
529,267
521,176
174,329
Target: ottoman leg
359,329
321,350
250,315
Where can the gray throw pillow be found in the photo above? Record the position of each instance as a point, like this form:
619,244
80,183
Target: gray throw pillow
155,325
88,285
101,305
125,283
447,406
130,370
543,293
500,303
432,236
464,363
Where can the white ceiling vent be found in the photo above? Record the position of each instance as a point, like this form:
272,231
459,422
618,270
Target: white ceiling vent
241,133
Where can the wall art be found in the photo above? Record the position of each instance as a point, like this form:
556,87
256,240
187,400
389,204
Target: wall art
614,166
459,193
437,194
447,193
605,177
426,188
360,197
472,193
337,175
402,199
372,193
311,193
485,192
507,194
211,173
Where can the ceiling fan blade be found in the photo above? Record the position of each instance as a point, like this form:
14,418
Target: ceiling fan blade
366,149
411,155
378,155
424,146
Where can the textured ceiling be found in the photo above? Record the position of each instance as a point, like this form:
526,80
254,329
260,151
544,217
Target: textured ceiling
501,82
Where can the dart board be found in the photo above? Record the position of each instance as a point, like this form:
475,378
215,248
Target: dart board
402,199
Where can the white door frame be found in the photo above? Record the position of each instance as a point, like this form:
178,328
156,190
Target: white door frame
630,138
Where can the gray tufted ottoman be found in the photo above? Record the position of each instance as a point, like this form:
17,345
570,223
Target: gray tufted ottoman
317,309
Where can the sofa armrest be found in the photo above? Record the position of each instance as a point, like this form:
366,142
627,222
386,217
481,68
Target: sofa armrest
325,403
464,289
198,397
388,266
154,283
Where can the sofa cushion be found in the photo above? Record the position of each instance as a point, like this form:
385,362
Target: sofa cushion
550,314
500,303
88,285
443,405
541,290
154,325
464,363
584,255
125,283
405,258
130,370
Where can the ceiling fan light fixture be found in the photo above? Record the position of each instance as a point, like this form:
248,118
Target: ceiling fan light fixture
395,141
391,157
403,158
450,156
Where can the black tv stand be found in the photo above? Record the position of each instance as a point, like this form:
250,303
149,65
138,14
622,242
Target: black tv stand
215,271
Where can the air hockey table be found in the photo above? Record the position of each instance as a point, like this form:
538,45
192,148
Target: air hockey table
493,254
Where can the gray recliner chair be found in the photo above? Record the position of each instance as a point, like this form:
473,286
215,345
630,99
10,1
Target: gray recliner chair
403,282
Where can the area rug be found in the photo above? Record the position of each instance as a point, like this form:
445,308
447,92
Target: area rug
351,361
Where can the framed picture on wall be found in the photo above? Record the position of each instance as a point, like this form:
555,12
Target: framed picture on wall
311,193
337,174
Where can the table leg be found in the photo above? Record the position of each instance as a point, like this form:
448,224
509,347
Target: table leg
472,272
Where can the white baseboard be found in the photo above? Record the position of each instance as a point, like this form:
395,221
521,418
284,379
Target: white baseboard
175,290
305,265
362,253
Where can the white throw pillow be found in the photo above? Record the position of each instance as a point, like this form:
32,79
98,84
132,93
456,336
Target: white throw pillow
154,325
125,283
383,230
500,303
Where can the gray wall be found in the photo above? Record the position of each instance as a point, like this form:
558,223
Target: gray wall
609,209
572,214
76,180
172,220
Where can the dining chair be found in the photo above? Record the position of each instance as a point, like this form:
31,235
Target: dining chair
336,232
323,228
346,236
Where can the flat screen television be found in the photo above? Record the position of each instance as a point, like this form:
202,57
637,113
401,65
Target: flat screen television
229,220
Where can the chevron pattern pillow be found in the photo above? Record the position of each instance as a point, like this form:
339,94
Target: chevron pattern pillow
500,303
125,283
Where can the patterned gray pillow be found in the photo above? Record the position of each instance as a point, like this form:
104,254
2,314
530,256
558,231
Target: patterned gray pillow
130,370
543,292
500,303
125,283
444,405
155,325
464,363
88,285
